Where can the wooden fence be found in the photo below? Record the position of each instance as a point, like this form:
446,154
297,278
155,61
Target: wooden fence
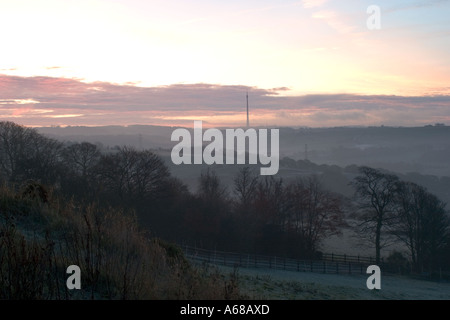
330,263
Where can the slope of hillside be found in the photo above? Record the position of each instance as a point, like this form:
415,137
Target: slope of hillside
42,235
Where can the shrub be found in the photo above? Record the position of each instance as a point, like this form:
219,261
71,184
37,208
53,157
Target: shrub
398,262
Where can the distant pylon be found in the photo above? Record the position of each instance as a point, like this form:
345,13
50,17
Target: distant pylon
248,122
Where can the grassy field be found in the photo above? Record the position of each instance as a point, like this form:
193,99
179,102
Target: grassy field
286,285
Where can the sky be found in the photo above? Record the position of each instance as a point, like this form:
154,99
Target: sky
303,63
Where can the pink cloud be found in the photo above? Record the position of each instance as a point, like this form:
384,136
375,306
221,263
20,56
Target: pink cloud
61,101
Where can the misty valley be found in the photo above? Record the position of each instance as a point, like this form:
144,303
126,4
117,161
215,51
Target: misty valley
112,201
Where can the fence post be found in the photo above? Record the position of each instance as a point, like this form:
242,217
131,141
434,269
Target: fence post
298,266
345,257
332,257
311,265
324,267
337,267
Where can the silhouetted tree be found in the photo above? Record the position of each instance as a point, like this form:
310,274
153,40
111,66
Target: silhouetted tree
315,212
210,188
207,209
79,161
42,161
270,213
15,146
271,205
423,225
81,158
242,226
376,195
245,183
132,176
25,154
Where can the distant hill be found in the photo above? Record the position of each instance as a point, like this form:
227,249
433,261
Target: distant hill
418,154
335,178
424,150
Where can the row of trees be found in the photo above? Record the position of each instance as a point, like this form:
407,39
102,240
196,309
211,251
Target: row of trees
391,210
257,214
267,214
262,215
81,169
25,153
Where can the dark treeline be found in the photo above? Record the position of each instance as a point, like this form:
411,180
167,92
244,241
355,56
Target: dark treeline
390,210
258,214
53,214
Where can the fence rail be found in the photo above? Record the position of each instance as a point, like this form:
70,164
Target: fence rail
330,263
348,258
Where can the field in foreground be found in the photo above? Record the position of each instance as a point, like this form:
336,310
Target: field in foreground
286,285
